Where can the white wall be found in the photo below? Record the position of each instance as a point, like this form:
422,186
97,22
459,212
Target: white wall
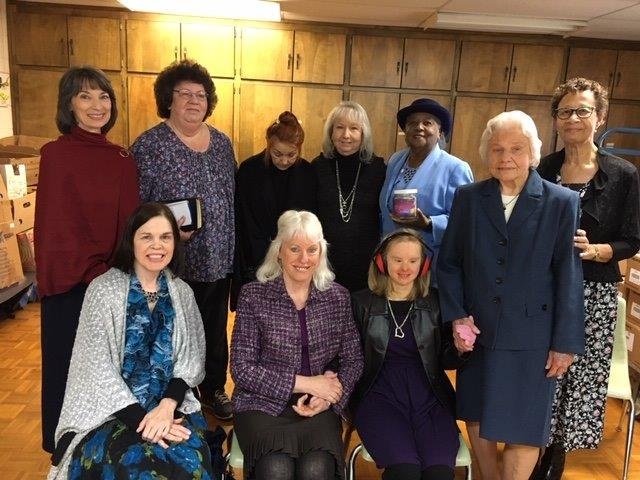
6,123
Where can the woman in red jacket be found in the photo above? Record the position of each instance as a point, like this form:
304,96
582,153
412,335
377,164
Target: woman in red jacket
88,187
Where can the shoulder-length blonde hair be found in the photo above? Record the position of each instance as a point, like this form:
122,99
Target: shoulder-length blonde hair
379,282
290,224
353,112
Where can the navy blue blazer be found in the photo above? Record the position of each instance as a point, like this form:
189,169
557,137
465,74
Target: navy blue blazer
521,280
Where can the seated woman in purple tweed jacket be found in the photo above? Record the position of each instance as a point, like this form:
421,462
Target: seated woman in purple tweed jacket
295,358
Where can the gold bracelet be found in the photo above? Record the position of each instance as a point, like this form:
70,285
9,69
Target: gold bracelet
597,253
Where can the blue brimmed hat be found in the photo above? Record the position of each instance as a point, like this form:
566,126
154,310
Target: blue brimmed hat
426,105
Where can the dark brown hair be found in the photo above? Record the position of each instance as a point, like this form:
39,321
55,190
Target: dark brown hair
579,84
285,129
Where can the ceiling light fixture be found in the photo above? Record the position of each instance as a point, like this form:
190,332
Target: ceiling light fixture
502,23
235,9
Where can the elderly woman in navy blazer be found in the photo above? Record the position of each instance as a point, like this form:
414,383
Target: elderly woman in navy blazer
509,273
425,167
295,358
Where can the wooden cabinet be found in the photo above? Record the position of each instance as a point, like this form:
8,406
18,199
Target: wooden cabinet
506,68
627,81
285,55
312,106
151,46
395,62
38,96
210,45
596,64
117,134
222,117
381,108
540,111
59,41
621,115
143,113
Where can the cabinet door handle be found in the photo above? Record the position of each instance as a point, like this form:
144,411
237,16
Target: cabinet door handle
618,78
71,46
298,61
398,68
506,74
515,71
610,84
289,61
184,53
62,46
175,53
406,67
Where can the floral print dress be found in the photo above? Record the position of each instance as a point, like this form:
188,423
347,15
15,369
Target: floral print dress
113,450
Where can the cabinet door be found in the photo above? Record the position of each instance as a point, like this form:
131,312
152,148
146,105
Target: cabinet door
260,106
143,113
624,116
311,106
222,117
266,54
40,39
212,46
407,99
381,108
428,64
83,48
539,110
376,61
536,69
117,132
151,46
38,98
484,67
469,121
319,57
598,65
627,82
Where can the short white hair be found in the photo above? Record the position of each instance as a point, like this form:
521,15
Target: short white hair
506,119
290,224
354,112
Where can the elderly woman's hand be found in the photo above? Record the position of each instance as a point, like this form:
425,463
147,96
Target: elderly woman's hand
558,363
313,407
420,221
602,252
327,386
159,423
464,332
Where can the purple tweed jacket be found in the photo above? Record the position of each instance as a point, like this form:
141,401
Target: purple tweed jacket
266,352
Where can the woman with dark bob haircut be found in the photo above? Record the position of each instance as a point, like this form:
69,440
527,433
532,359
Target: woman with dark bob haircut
129,411
183,157
88,187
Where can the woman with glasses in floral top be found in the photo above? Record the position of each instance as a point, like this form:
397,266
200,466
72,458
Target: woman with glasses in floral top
183,157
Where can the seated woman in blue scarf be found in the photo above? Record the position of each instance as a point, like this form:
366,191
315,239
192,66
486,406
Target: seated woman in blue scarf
129,411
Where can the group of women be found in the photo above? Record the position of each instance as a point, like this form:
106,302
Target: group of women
349,308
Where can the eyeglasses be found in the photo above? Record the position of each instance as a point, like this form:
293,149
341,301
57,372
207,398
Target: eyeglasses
581,112
187,95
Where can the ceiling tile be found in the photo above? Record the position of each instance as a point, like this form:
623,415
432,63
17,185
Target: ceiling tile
613,29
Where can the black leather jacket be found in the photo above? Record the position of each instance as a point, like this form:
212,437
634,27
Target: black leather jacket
435,343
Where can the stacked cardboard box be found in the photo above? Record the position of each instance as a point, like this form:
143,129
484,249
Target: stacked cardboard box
632,284
10,264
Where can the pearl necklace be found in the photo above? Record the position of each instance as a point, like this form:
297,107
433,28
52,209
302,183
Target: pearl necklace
398,333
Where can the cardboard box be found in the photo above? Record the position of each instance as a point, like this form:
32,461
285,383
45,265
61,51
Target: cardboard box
14,181
27,252
35,143
633,307
24,210
29,158
633,343
10,265
632,278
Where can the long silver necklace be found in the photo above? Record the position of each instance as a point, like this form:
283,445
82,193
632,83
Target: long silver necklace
345,204
398,333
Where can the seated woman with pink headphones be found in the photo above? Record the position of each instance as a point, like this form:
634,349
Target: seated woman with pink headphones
404,406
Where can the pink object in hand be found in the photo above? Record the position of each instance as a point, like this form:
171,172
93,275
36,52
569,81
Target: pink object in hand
466,334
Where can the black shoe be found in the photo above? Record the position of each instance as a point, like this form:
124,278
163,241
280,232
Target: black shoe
551,465
221,405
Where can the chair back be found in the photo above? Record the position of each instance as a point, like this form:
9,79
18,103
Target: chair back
619,383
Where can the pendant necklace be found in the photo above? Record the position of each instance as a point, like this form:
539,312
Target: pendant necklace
345,204
398,333
152,297
505,205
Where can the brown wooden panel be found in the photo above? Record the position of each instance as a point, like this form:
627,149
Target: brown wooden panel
118,131
536,69
428,64
40,39
539,110
470,119
621,115
319,57
210,45
596,64
376,61
151,46
222,117
38,98
381,109
484,67
260,105
627,81
94,41
266,54
311,106
143,113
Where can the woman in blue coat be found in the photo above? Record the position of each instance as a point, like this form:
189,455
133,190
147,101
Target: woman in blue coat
509,272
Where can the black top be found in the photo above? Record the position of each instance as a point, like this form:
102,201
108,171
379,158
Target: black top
351,244
610,210
262,193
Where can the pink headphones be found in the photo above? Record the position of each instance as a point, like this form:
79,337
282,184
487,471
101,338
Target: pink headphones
427,252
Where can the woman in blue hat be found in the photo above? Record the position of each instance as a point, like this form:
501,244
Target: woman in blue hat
424,172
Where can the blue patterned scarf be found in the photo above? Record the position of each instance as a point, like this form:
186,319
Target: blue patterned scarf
148,352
